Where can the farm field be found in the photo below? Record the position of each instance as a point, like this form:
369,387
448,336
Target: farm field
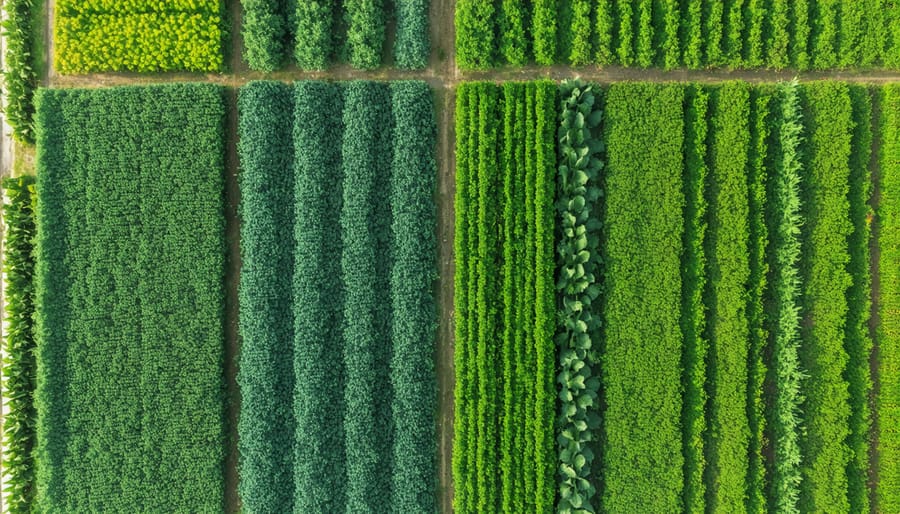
449,256
801,34
336,296
128,289
724,232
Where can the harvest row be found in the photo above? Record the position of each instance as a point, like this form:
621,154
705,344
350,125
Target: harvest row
713,301
800,34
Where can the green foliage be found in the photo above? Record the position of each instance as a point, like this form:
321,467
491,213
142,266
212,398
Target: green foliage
505,318
578,288
604,27
693,310
755,18
265,33
779,35
858,342
666,22
757,287
827,408
785,372
412,45
313,23
887,402
18,366
365,296
544,30
578,33
714,32
735,27
19,78
692,34
799,34
366,260
474,21
851,31
266,378
625,38
365,21
513,42
130,299
644,49
642,458
825,33
139,36
317,296
729,272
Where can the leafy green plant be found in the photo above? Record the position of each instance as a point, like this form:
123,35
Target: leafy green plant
365,21
18,366
265,33
313,23
578,288
411,46
19,78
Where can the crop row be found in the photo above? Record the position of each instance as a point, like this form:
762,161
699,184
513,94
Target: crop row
716,353
317,32
818,34
337,311
18,366
504,302
130,300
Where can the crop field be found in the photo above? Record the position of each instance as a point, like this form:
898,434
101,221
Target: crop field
139,35
128,287
336,296
315,33
800,34
713,289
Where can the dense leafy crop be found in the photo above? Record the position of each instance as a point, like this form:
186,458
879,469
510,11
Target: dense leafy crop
318,32
19,79
887,402
130,299
858,341
18,366
642,457
139,36
729,272
693,310
505,395
827,225
338,326
578,288
802,34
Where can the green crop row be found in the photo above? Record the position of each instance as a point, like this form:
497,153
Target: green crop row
643,226
19,77
318,32
130,299
819,34
887,403
337,309
18,366
578,288
505,398
136,41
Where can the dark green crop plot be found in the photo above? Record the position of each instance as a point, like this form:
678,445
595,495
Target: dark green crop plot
337,310
316,33
130,299
799,34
